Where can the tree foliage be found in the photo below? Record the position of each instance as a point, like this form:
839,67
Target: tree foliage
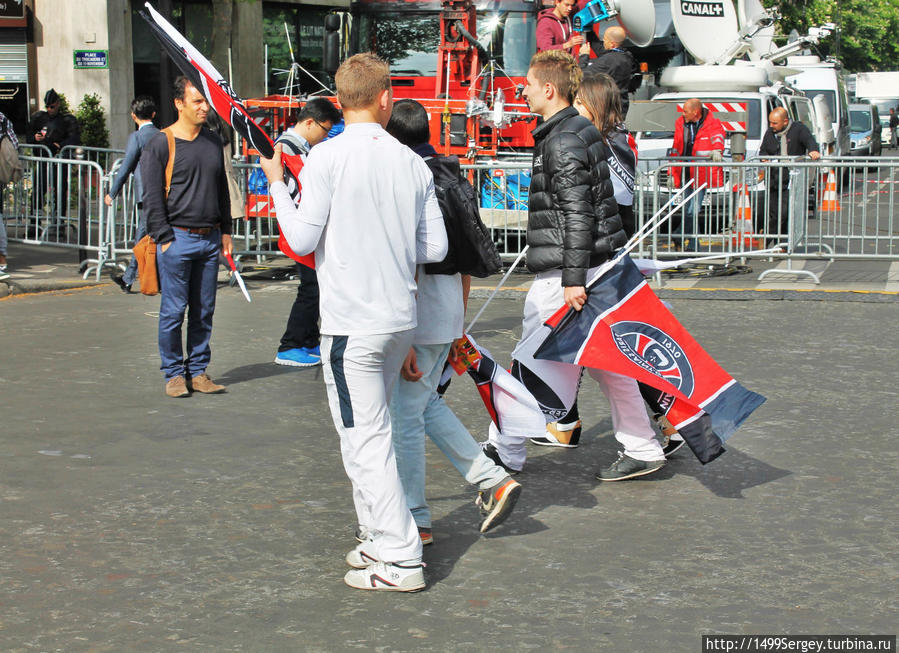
92,119
867,30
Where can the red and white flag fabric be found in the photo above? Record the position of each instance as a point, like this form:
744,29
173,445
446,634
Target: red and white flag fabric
226,103
624,328
515,413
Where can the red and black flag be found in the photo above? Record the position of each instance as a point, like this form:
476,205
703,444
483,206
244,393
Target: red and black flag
624,328
222,98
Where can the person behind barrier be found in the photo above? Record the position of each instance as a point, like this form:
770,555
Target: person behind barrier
370,214
7,131
554,29
416,408
191,223
894,125
614,61
784,137
573,227
300,343
55,129
697,134
143,110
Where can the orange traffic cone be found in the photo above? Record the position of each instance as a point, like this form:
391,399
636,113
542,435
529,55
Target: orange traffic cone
742,230
829,200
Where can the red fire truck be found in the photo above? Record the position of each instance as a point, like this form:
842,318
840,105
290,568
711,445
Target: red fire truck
464,60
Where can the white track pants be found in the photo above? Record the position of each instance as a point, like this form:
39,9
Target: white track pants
629,419
360,372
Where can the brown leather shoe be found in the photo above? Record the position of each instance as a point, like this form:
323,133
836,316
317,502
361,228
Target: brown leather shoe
176,387
203,383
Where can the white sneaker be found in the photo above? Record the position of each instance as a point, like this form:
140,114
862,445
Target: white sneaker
388,577
359,559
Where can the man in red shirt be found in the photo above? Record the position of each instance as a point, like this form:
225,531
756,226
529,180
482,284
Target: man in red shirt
554,30
697,133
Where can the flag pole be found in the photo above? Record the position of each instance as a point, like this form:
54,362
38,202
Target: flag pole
651,225
498,286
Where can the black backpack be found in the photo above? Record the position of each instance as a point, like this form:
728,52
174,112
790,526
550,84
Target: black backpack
471,249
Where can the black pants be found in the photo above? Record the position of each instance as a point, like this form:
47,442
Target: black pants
302,325
778,211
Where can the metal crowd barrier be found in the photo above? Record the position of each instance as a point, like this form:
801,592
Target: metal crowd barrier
254,234
832,208
34,149
59,203
502,190
123,218
102,155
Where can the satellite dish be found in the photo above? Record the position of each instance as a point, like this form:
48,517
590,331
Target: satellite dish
706,28
638,18
751,12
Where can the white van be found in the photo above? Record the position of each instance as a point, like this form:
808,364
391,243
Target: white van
739,111
825,78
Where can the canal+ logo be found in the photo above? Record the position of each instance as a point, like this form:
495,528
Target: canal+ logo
656,352
704,9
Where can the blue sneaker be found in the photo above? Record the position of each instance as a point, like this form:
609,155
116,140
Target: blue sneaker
299,357
314,351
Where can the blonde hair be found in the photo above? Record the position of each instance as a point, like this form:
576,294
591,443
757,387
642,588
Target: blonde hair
361,79
558,68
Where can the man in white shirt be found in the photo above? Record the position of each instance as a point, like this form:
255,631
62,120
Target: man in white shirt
369,213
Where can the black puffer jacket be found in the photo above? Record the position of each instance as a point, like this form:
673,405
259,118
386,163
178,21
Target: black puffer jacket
573,220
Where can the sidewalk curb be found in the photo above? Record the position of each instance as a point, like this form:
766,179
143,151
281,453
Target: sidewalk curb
31,286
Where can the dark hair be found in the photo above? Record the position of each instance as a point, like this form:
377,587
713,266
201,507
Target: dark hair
143,106
180,87
320,110
600,94
409,123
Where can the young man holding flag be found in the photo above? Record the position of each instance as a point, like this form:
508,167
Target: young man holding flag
573,227
369,212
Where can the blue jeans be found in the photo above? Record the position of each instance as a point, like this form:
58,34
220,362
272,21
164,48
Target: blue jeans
3,241
131,273
416,409
188,272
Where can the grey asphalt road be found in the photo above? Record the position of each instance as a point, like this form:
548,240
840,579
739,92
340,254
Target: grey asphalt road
133,522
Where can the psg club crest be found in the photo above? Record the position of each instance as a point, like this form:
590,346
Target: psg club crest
656,352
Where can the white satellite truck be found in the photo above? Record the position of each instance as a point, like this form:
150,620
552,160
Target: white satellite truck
737,80
882,90
740,93
825,79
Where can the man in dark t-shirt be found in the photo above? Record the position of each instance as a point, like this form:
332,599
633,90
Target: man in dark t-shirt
190,222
